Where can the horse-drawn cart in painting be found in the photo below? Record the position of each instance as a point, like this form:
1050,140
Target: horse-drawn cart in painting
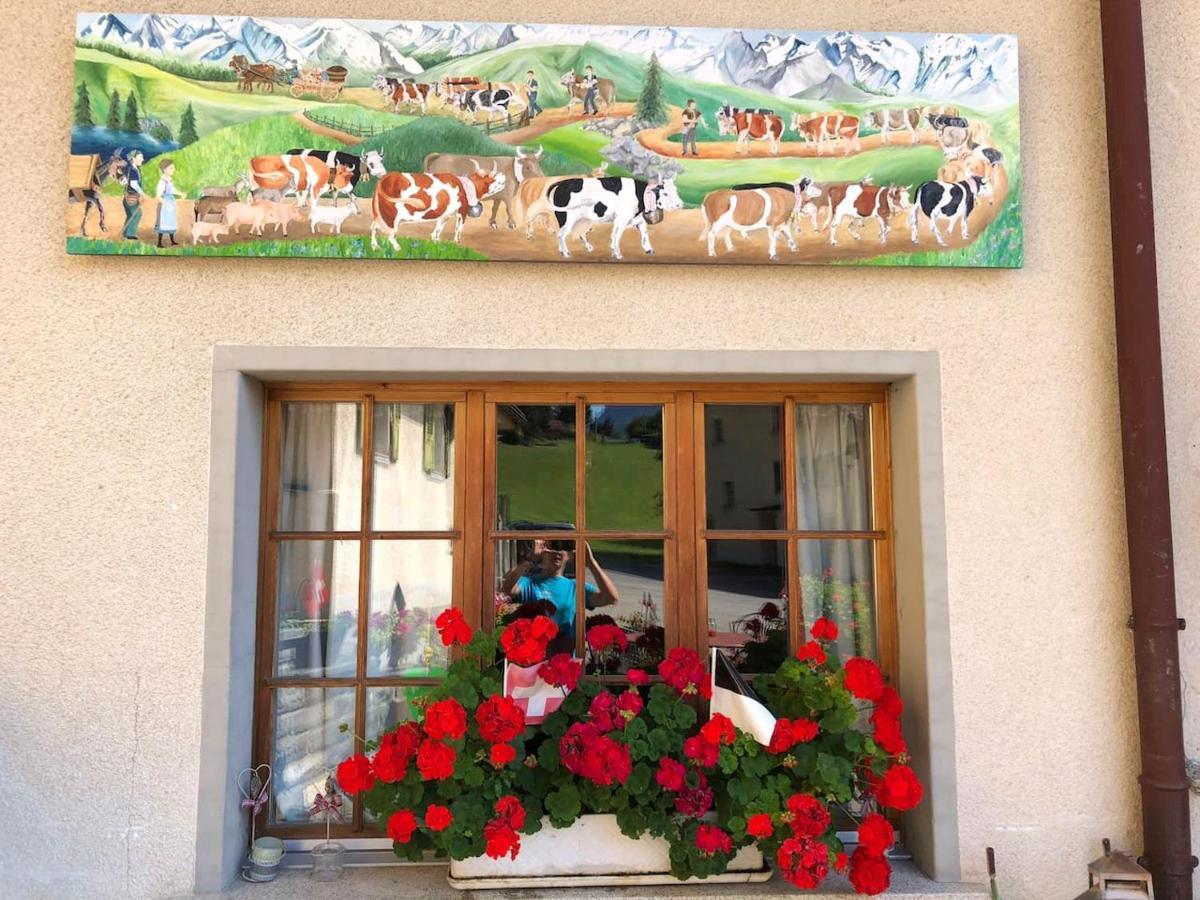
325,83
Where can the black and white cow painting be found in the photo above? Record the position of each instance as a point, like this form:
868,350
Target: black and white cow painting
495,101
370,164
624,202
942,200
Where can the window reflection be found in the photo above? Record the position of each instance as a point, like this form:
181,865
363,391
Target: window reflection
742,459
837,583
624,468
633,571
748,603
833,467
413,488
411,583
316,612
308,745
535,464
537,577
321,470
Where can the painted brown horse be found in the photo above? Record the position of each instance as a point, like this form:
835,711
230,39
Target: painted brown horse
250,74
112,169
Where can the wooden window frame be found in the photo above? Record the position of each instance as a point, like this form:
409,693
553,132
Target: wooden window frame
473,533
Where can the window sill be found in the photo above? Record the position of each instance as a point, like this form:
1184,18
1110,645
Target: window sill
426,882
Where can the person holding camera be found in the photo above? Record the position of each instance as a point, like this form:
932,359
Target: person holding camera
539,575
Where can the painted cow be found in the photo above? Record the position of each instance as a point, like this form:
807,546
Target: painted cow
606,91
403,197
624,202
889,120
362,168
952,202
515,169
404,92
807,191
492,100
769,207
860,202
750,126
825,128
308,176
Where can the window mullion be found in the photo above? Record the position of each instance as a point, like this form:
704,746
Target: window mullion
581,570
796,629
364,583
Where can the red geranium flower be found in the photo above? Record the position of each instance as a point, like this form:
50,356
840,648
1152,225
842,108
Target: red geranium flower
637,676
863,678
841,861
804,730
760,826
875,833
601,637
501,840
887,732
603,712
803,861
525,640
718,730
824,630
499,719
781,737
900,788
575,743
701,752
695,801
629,704
354,775
453,627
562,671
813,653
869,874
396,750
671,774
685,672
446,720
501,755
438,818
510,811
401,825
435,760
711,839
810,818
889,703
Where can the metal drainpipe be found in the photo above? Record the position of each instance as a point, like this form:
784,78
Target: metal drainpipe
1164,786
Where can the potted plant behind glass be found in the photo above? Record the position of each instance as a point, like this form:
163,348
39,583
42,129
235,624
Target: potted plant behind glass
626,786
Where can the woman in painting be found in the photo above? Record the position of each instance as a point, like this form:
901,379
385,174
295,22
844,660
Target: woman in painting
168,220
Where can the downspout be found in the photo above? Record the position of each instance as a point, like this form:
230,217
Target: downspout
1156,626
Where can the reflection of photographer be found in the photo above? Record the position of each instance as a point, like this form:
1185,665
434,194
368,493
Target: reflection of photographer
538,576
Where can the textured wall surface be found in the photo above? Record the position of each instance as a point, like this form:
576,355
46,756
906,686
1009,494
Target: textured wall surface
1172,60
106,400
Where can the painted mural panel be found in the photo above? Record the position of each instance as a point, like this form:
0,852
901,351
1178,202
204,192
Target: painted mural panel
245,136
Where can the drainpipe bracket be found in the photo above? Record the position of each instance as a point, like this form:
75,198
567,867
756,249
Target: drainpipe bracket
1156,624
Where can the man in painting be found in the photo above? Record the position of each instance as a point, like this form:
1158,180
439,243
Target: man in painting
538,576
131,200
691,118
531,89
591,89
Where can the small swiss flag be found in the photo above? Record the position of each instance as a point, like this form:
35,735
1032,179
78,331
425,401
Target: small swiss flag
536,698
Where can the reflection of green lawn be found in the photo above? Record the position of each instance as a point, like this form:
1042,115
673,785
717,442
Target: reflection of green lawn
624,484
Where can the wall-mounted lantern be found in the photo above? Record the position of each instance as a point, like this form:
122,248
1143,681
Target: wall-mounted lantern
1116,876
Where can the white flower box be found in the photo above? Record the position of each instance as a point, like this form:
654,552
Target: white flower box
591,852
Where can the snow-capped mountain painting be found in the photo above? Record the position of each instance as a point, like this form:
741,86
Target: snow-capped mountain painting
912,139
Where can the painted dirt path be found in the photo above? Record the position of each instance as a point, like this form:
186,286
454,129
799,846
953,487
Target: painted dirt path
658,140
676,239
325,131
556,117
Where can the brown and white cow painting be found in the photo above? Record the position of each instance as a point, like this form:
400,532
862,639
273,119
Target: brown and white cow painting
750,125
860,202
307,175
402,197
745,208
828,128
889,120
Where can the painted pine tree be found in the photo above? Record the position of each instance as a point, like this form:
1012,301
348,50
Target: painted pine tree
160,132
651,106
114,112
131,121
187,127
83,106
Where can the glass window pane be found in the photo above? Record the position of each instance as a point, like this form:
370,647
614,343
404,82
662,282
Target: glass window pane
833,467
390,706
411,583
316,609
413,487
535,465
742,450
747,602
838,582
308,745
537,577
625,468
626,588
320,485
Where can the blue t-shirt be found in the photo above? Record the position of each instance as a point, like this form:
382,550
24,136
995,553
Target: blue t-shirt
558,590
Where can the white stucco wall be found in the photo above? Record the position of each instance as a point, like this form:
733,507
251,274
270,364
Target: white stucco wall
106,403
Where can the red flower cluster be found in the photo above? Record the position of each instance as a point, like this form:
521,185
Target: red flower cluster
612,712
502,840
510,811
899,789
562,671
637,677
501,755
597,757
438,818
803,861
701,752
499,719
685,672
718,730
812,652
810,818
886,719
401,825
396,750
446,720
435,760
525,640
671,774
760,825
790,732
869,874
875,834
711,839
824,630
695,801
354,775
453,627
601,637
863,678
